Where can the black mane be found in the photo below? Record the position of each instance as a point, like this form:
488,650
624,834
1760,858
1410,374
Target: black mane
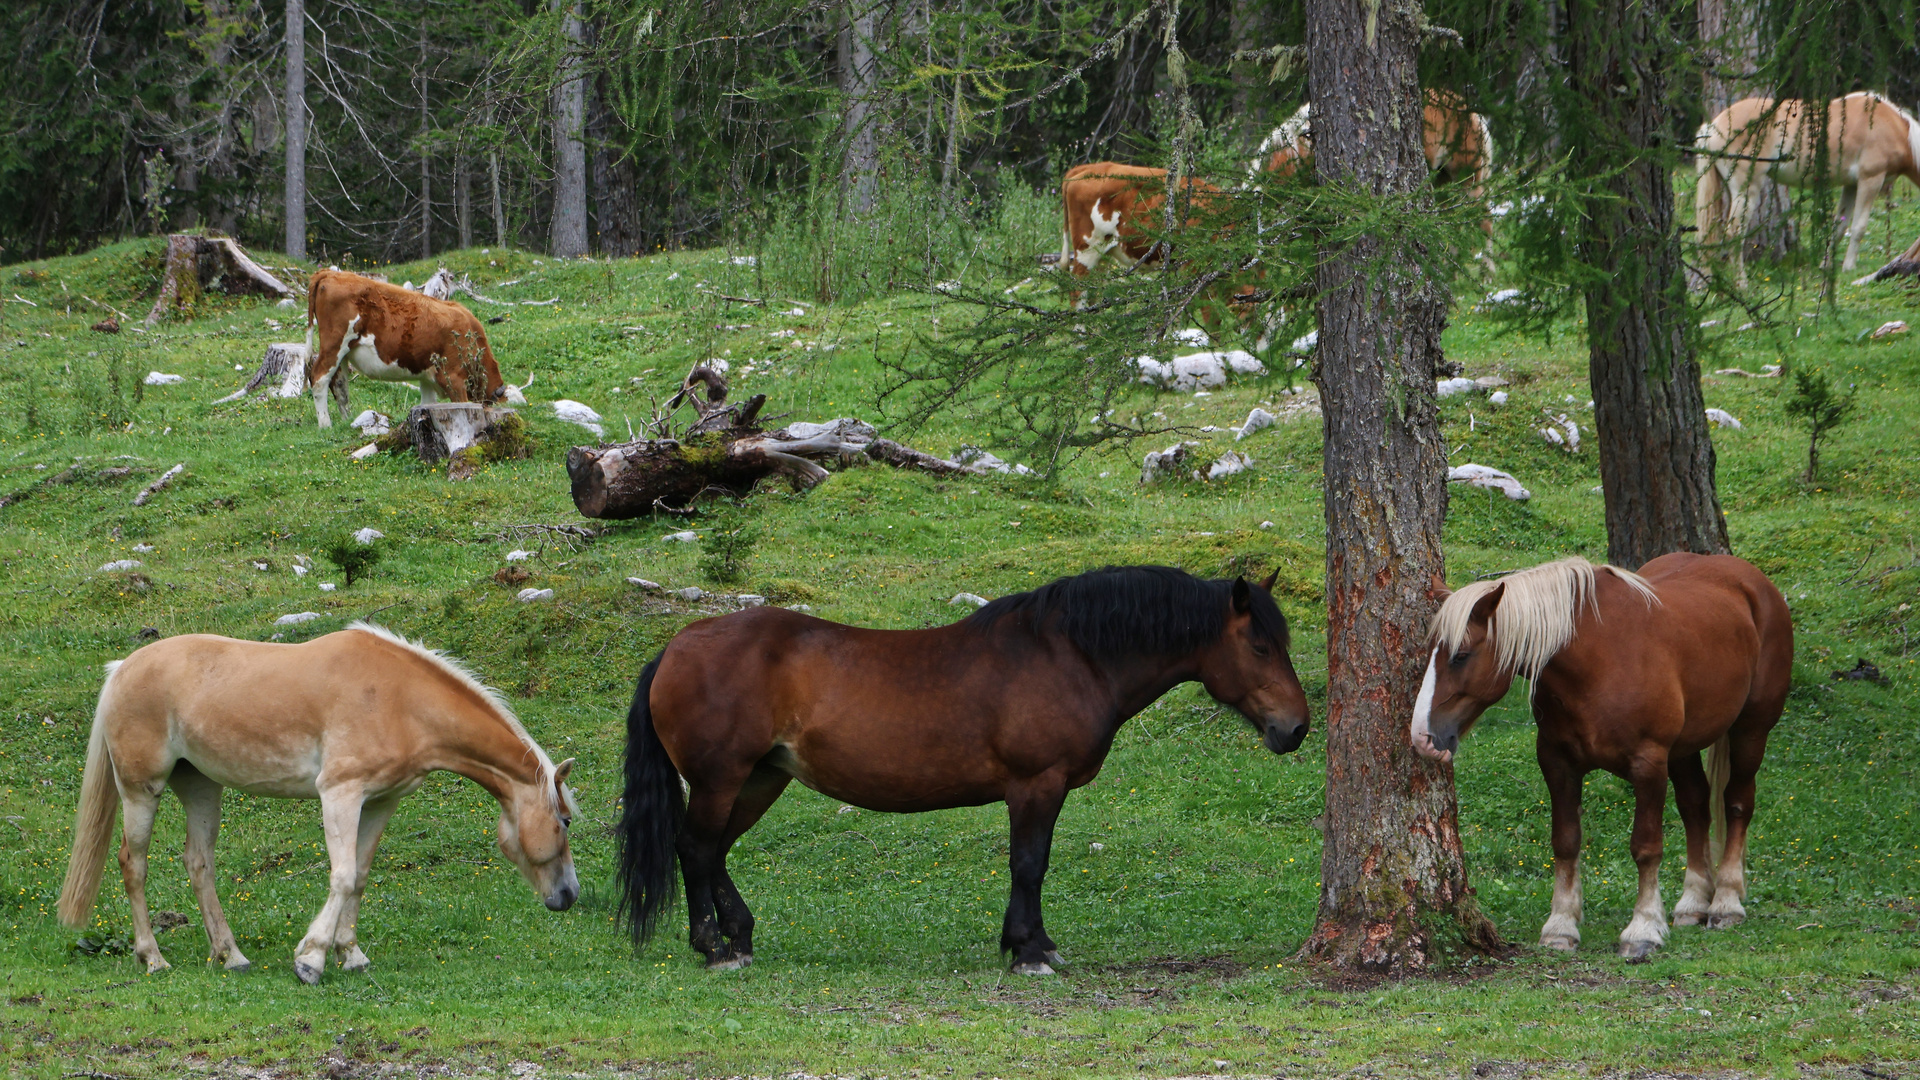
1118,612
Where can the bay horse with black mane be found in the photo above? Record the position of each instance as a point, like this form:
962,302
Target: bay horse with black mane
1019,702
1635,674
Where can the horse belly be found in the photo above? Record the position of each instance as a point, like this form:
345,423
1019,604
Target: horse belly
870,783
289,771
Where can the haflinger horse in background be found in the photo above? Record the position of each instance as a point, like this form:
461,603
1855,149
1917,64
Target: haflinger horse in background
1635,674
1870,142
1019,702
356,719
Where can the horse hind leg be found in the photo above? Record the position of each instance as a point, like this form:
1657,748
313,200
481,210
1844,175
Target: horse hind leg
138,805
702,848
200,798
1691,795
1647,930
736,919
1868,190
1730,881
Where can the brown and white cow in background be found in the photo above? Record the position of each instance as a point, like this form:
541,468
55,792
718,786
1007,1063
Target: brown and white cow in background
392,334
1114,209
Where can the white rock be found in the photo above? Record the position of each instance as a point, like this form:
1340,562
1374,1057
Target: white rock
262,566
744,260
1196,370
1504,296
1152,372
1168,462
161,378
365,452
1486,476
973,455
747,600
296,617
644,584
575,413
529,595
795,311
143,547
1722,418
691,593
686,537
1887,329
1450,387
326,586
968,598
717,364
368,535
799,607
299,571
1231,462
1266,524
118,565
372,423
1305,343
517,555
1192,335
1242,362
287,302
1498,397
1257,419
1552,435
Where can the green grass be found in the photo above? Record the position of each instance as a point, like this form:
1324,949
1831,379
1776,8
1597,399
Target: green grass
877,935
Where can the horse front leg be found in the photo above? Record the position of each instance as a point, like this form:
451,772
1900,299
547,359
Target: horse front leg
1647,930
340,817
373,824
1690,792
1032,808
1868,190
1562,928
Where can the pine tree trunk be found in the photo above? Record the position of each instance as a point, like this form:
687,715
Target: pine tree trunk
1656,461
860,80
426,160
569,152
1394,894
616,217
463,199
296,185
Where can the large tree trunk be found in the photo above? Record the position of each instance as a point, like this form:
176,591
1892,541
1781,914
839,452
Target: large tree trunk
569,151
616,217
426,159
1394,893
1656,461
296,186
860,81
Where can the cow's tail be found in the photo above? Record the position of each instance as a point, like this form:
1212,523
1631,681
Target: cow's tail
93,824
654,805
1719,768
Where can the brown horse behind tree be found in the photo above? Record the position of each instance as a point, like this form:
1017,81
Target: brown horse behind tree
1635,674
1019,702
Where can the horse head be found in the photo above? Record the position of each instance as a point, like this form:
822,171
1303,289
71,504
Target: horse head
1464,677
534,819
1248,667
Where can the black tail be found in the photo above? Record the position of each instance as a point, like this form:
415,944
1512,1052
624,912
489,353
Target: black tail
655,806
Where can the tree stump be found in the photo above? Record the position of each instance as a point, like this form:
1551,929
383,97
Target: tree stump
283,371
198,263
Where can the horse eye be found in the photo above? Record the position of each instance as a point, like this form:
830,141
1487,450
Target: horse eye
1460,659
1260,650
566,823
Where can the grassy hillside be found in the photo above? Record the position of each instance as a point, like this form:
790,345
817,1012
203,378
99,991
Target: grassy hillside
877,935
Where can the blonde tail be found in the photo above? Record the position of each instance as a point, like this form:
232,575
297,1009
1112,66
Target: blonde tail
1719,768
93,826
1709,203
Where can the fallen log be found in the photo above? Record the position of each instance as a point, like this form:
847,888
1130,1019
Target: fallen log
198,263
1905,264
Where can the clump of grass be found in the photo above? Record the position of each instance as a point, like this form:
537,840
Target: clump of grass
728,544
1820,408
354,559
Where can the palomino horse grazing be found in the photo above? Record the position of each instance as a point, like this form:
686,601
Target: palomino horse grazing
1870,141
1018,702
356,719
1634,674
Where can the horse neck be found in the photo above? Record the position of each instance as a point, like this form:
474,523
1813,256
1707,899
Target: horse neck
484,748
1139,681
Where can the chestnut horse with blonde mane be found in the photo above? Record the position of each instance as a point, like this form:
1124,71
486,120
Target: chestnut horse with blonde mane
356,719
1870,143
1019,702
1635,674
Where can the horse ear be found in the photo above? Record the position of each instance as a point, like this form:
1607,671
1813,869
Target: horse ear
1242,596
561,770
1483,607
1267,585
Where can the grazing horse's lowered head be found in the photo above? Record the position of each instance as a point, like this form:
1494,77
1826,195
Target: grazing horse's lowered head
534,819
1249,667
1490,631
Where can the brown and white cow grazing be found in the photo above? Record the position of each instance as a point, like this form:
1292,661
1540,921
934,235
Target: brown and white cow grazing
1457,142
1115,209
391,334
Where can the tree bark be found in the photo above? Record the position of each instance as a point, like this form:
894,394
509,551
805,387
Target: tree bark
1656,460
616,217
860,81
195,263
296,184
493,181
1394,894
463,199
426,159
569,151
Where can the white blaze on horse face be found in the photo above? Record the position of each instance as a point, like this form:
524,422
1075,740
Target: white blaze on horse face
1423,710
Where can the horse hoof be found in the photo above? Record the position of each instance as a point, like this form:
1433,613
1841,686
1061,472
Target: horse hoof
1032,969
1560,944
731,963
1637,952
1688,918
240,967
1726,920
157,965
308,973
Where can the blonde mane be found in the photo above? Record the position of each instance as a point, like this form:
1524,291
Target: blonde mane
461,674
1537,611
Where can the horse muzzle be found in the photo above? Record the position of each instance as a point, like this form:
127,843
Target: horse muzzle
1437,745
1285,739
565,892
